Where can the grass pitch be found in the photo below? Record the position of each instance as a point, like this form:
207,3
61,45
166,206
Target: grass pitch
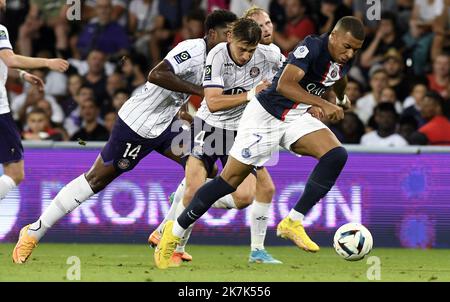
108,262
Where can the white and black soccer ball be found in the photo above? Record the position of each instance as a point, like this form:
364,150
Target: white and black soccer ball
353,241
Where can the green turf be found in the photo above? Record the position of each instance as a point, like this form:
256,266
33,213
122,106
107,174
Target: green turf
220,263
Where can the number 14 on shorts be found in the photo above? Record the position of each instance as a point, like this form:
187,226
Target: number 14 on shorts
133,153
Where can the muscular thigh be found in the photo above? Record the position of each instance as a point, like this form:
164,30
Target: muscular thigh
316,143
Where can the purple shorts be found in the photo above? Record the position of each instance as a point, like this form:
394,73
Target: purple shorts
125,148
11,149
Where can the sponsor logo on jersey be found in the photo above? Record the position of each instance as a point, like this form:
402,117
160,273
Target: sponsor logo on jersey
301,52
228,64
182,56
208,71
254,72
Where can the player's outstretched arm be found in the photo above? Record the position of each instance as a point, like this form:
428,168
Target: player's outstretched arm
339,89
163,76
288,86
13,60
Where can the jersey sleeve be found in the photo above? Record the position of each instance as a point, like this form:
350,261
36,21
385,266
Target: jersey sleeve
212,75
180,57
304,54
4,38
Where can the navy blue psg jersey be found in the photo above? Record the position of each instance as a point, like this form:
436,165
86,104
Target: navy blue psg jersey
321,72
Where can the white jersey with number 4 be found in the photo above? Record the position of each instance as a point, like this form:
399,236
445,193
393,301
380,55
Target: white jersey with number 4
222,72
4,44
151,111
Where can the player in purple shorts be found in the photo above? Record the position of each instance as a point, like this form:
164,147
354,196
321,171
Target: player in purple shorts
11,150
146,123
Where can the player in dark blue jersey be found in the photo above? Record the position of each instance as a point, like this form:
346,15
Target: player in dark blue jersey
280,117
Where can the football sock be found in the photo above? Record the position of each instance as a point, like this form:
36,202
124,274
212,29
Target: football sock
296,216
184,240
258,224
226,202
6,185
69,198
171,215
202,201
322,179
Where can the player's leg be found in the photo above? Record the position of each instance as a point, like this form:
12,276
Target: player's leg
259,218
121,153
11,155
13,174
319,142
231,177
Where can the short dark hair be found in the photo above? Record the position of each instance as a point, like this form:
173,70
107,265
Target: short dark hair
219,18
353,25
246,30
386,107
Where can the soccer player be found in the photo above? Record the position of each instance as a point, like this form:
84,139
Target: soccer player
144,125
11,149
232,71
256,191
278,116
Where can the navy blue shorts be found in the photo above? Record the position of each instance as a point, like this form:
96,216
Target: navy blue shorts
210,144
125,148
11,149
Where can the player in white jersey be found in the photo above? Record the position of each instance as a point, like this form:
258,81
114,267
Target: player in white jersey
234,72
147,122
278,117
259,194
11,150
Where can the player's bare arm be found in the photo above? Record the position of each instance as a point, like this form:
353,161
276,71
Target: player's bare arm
288,86
218,101
163,76
13,60
339,89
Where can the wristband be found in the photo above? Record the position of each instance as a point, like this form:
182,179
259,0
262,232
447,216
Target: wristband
251,94
342,102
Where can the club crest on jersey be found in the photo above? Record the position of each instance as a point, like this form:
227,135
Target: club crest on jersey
301,52
3,35
246,153
123,163
254,72
208,71
182,56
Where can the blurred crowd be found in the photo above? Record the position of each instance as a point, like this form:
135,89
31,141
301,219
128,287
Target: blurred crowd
399,85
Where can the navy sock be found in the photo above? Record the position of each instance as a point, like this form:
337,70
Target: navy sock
203,200
322,179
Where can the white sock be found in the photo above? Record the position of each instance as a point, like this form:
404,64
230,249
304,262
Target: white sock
6,185
296,216
226,202
178,229
184,240
171,215
70,197
258,224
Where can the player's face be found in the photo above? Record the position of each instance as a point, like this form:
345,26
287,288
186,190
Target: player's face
266,25
241,52
344,46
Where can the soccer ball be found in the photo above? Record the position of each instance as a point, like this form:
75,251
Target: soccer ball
352,241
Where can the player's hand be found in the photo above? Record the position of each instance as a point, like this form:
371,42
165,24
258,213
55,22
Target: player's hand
34,80
316,112
262,85
57,64
332,111
345,103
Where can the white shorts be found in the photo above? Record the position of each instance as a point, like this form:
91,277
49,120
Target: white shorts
260,134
